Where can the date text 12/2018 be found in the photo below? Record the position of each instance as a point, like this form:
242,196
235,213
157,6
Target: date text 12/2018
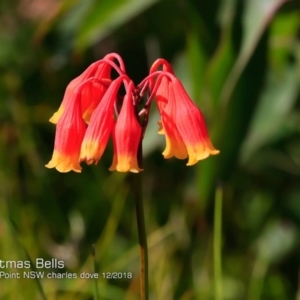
117,275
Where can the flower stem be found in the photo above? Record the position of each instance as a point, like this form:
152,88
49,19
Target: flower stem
140,217
218,243
142,236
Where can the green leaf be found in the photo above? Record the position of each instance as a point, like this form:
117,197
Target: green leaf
197,62
258,14
271,119
105,16
223,58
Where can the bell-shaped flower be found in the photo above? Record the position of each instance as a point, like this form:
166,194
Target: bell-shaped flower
190,124
70,131
100,125
127,136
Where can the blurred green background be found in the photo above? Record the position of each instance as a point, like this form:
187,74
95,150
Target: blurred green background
240,62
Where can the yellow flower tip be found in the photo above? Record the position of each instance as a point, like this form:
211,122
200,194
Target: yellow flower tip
64,163
197,152
125,164
135,171
200,155
189,164
86,116
62,168
214,152
126,167
174,148
56,116
160,129
54,119
91,152
167,155
192,159
49,165
210,148
179,154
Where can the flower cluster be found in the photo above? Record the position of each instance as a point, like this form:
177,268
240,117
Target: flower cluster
93,110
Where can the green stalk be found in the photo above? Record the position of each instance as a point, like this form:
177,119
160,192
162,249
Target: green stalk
96,290
140,217
138,194
218,244
257,278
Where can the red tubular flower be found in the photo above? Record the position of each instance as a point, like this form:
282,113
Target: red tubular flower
181,120
190,124
100,126
70,130
126,136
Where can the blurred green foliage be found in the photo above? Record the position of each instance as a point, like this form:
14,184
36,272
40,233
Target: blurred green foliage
240,62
